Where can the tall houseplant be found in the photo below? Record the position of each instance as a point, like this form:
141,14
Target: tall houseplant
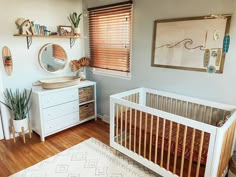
74,19
19,105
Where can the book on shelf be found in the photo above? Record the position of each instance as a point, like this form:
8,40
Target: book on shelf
33,28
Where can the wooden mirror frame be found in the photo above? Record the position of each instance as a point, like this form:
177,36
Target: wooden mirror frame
153,64
40,59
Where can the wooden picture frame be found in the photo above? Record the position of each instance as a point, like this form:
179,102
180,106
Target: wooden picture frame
65,30
181,43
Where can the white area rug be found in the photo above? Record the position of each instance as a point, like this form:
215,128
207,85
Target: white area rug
90,158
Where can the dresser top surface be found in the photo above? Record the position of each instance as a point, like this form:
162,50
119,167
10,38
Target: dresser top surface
40,90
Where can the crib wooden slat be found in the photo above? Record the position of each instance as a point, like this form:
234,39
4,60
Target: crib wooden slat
183,151
176,148
150,143
163,103
224,115
166,104
192,110
135,128
117,123
130,127
169,146
204,114
176,106
162,144
210,117
200,154
171,103
152,100
138,100
156,144
145,136
198,112
126,121
181,108
217,116
148,99
186,109
140,133
121,127
191,153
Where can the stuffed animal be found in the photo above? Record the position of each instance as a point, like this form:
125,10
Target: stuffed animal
24,26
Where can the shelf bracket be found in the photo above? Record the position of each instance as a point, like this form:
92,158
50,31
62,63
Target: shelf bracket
29,41
72,42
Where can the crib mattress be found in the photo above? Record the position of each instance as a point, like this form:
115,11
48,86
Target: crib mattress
160,128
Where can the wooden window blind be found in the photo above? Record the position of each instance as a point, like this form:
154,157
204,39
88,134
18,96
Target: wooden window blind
110,36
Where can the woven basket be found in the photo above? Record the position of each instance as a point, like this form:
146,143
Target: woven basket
59,82
86,111
86,94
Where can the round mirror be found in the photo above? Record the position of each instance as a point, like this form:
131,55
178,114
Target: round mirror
52,58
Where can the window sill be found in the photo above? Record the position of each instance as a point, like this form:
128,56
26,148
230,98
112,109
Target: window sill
110,73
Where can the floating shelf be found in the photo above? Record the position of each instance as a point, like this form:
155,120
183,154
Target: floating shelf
29,38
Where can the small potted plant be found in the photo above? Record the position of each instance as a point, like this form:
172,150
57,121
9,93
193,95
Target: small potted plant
74,19
8,61
18,104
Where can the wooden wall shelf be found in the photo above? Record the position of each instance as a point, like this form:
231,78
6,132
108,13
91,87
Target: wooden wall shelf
29,38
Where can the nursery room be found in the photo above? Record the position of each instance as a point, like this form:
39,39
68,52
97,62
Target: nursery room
118,88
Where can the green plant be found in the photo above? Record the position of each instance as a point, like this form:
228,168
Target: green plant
18,103
74,19
8,57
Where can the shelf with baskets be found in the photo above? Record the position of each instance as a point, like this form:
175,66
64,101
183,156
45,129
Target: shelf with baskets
29,38
87,104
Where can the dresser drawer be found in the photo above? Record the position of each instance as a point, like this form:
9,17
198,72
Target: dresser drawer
59,98
60,110
61,123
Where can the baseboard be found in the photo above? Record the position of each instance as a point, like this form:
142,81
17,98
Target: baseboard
105,118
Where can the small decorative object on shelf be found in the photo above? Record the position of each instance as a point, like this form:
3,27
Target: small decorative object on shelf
78,65
65,30
7,60
24,26
74,19
19,106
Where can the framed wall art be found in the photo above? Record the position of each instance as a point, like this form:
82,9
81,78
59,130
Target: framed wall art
194,43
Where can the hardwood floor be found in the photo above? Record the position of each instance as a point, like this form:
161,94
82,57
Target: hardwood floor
17,156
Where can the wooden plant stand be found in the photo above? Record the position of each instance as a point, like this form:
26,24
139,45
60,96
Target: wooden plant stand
22,133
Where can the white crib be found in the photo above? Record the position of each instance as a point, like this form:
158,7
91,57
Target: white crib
171,134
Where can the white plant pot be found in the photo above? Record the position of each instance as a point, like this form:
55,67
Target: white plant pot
76,31
18,124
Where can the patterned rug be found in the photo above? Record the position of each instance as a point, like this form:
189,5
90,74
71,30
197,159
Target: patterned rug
90,158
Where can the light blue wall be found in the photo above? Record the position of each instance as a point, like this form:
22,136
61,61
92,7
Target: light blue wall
216,87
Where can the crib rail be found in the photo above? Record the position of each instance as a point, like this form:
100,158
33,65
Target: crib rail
195,111
154,135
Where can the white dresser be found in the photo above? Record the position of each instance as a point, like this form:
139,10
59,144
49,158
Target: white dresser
57,109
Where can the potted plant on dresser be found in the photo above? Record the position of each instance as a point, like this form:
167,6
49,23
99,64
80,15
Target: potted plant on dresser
74,19
19,105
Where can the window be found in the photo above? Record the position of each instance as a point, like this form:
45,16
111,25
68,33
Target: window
110,36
